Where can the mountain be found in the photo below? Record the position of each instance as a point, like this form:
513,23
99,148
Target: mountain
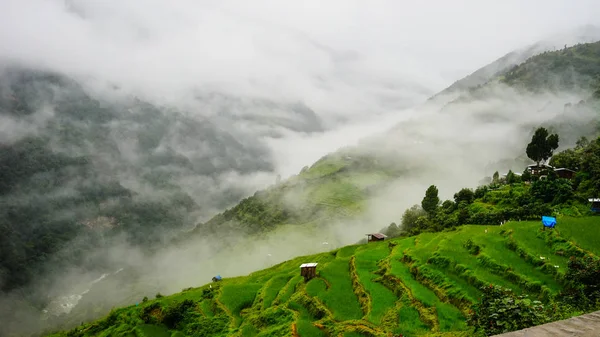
339,185
584,34
83,167
120,170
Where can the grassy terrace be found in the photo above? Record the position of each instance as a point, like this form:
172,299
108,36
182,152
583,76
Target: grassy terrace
415,286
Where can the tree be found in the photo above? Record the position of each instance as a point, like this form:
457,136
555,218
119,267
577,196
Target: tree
542,145
511,178
392,230
582,143
567,159
496,177
409,219
431,200
465,195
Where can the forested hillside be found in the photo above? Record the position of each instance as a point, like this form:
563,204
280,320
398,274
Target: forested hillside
77,162
339,182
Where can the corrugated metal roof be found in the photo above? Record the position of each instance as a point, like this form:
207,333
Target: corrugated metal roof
563,169
378,235
594,200
312,264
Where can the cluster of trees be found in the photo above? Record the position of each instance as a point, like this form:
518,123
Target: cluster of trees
571,68
514,197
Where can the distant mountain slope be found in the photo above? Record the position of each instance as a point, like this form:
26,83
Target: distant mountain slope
418,147
79,163
416,286
585,34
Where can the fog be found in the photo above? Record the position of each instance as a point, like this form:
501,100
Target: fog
263,89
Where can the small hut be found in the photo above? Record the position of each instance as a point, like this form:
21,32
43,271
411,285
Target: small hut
595,204
548,221
537,170
564,173
375,237
308,270
217,278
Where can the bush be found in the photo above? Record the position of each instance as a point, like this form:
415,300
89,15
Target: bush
177,313
583,282
471,247
500,311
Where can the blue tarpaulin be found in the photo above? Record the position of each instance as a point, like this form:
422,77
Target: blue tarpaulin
549,221
218,277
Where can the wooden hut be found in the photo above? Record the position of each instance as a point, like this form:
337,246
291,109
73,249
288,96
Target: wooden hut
308,270
537,170
375,237
595,204
564,173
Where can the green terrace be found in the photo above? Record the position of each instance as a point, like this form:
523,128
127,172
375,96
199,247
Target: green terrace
420,285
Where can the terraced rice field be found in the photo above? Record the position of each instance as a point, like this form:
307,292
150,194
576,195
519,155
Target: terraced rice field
412,286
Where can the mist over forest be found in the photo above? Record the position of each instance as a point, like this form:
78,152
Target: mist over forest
128,129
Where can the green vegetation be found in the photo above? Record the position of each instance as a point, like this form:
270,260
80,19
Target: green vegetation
415,286
439,276
542,145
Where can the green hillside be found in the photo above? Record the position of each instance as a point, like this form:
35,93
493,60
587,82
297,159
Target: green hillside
421,285
336,186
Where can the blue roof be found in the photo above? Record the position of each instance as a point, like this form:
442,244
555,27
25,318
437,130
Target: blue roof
549,221
218,277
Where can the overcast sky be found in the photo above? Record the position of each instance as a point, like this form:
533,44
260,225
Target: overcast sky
271,40
345,59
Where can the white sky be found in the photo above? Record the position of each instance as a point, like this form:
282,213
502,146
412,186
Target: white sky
345,59
435,41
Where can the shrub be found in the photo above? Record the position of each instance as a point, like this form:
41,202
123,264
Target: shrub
471,247
500,311
583,282
177,312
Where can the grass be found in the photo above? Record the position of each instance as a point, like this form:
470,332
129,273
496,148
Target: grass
152,331
339,297
366,263
437,279
273,288
238,296
584,232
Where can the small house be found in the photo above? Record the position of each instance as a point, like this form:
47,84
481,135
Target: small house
217,278
308,270
375,237
595,204
564,173
536,169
